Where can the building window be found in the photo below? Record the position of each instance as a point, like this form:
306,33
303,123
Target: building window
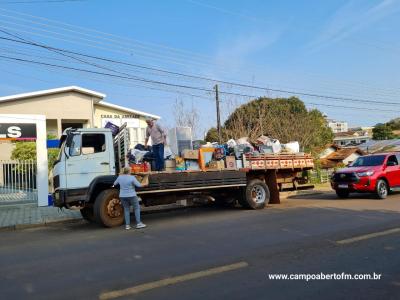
143,134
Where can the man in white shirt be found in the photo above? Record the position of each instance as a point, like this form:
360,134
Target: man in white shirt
158,139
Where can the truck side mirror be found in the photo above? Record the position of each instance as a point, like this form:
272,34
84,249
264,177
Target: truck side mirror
391,164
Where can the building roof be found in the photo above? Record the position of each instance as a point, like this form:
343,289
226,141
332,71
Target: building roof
53,91
343,153
78,89
375,146
132,111
345,134
337,157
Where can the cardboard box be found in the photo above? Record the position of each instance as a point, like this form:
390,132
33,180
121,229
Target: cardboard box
230,162
143,179
170,163
239,164
216,165
190,154
192,165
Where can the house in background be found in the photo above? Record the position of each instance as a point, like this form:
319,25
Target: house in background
335,156
351,138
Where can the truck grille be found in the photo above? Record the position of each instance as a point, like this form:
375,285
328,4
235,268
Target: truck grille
345,177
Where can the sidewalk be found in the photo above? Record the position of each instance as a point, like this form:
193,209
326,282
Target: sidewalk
28,215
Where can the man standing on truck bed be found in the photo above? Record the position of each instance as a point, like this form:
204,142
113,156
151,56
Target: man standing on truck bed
158,139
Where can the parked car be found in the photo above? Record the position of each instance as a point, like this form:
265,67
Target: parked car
377,173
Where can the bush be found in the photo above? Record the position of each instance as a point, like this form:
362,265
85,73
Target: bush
27,151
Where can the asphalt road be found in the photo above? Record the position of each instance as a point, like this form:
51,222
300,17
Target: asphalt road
210,253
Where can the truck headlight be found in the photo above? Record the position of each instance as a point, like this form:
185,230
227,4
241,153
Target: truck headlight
365,174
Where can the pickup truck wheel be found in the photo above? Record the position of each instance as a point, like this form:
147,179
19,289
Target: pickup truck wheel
382,189
88,214
256,195
342,193
108,210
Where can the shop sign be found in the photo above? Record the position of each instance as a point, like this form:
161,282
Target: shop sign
17,131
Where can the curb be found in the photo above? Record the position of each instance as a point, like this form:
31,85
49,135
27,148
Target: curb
36,225
303,193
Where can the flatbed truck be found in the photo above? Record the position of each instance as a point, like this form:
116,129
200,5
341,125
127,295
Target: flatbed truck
90,160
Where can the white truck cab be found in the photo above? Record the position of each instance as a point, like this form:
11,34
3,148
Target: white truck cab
84,155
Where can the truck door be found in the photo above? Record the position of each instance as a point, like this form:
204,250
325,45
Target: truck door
393,171
89,157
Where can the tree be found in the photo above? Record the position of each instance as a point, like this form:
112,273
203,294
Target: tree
27,151
212,135
394,124
382,132
24,151
286,119
186,117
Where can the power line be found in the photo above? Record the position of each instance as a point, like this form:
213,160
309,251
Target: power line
142,44
291,92
164,83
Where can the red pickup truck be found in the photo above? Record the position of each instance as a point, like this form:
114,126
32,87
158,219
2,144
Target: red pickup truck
377,173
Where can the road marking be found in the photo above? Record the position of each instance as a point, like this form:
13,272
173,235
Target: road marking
171,280
368,236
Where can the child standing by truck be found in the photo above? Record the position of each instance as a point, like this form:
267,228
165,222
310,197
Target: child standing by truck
128,196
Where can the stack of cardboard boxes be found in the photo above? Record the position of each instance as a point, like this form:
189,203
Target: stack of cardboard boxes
205,159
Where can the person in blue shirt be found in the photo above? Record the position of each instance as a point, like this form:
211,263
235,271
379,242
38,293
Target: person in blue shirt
128,196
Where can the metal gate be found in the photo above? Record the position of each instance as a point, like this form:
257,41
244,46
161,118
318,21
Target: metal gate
17,181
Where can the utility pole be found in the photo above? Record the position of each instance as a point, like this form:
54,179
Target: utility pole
218,114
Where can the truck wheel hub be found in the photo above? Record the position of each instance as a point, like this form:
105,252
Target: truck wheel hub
114,208
258,194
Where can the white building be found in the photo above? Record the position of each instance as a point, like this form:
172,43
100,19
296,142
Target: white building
338,126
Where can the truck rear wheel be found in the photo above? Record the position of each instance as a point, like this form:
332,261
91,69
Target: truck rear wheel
108,210
88,214
256,195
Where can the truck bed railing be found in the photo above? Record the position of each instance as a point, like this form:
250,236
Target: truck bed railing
121,147
278,161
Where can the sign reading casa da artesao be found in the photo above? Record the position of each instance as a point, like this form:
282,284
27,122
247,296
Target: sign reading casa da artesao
17,131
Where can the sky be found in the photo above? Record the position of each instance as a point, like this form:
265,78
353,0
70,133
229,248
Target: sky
340,57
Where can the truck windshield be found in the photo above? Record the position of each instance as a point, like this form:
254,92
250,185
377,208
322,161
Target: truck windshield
364,161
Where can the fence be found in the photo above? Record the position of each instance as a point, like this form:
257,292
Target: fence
18,181
320,175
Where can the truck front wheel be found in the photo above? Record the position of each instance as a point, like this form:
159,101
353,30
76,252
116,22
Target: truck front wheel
256,195
87,214
108,210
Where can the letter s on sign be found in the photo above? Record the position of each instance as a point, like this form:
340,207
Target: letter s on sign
14,132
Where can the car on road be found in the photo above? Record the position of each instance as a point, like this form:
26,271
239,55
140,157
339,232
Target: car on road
376,173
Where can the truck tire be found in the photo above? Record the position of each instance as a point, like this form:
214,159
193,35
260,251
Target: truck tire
255,195
108,210
381,189
342,194
88,214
